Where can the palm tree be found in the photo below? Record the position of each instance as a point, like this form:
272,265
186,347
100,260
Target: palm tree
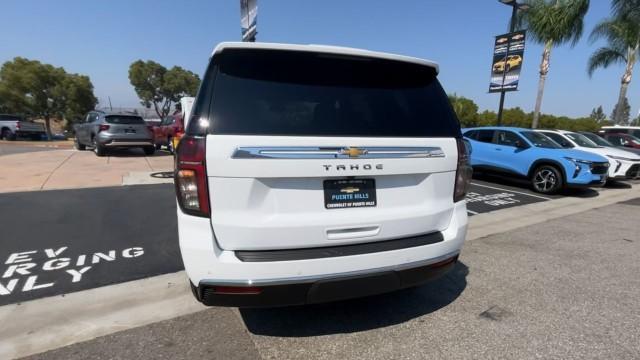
623,47
627,8
552,23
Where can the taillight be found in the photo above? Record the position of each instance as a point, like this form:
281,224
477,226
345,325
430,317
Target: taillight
150,127
191,177
103,127
464,172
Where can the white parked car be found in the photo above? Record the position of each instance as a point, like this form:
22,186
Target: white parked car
317,173
622,164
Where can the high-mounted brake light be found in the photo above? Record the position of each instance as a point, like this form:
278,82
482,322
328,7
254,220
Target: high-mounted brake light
191,177
464,172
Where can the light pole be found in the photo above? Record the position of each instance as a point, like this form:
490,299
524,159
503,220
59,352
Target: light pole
512,27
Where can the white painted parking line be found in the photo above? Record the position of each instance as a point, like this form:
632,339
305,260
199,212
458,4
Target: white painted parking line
509,190
472,212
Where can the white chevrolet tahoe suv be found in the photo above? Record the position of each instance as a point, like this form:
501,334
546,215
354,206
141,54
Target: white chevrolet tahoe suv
315,173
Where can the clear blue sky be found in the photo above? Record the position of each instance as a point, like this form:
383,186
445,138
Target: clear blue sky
101,39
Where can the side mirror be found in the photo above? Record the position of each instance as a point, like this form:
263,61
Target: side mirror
626,143
520,145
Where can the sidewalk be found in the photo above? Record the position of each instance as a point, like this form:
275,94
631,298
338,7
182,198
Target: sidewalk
60,144
63,169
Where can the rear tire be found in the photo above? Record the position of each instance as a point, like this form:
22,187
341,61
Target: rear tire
546,179
98,149
149,150
170,145
8,135
78,145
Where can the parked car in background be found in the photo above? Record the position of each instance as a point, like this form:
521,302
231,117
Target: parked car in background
166,131
618,129
606,143
623,140
622,164
103,130
304,191
14,126
527,154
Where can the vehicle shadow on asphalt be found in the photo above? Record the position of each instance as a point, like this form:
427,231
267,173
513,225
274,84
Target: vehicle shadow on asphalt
358,314
524,185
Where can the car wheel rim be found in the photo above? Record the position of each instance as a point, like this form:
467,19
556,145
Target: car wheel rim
545,180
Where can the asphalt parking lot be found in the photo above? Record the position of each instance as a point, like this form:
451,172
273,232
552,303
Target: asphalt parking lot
565,290
61,241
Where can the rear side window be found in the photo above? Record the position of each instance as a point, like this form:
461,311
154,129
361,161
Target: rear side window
559,139
10,118
485,136
124,120
275,92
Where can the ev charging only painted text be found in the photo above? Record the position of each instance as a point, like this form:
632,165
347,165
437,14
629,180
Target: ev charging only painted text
22,269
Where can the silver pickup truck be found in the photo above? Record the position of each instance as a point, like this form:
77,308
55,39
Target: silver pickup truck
13,126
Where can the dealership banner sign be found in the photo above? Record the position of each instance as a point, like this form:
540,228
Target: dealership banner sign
508,56
248,19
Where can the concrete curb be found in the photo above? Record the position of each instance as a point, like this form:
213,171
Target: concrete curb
49,323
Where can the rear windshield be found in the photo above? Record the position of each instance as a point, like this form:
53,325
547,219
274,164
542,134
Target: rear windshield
127,120
267,92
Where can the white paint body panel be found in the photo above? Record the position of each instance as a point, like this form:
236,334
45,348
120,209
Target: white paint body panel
265,204
204,260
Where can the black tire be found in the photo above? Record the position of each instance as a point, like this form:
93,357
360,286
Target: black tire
8,135
78,145
170,145
149,150
98,149
547,179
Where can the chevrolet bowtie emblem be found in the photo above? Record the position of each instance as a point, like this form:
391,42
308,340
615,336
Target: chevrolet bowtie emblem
349,190
353,152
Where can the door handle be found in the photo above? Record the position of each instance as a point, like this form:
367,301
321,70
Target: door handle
498,149
352,233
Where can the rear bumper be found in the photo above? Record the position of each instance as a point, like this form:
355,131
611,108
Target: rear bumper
112,140
327,288
289,282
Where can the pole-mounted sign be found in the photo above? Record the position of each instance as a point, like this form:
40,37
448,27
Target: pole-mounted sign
508,56
248,19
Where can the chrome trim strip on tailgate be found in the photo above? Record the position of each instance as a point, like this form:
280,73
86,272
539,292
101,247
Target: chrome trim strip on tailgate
315,152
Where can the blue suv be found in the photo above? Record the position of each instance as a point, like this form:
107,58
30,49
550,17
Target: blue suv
525,153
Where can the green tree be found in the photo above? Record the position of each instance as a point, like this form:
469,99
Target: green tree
158,87
552,23
623,47
622,112
597,114
42,90
465,109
